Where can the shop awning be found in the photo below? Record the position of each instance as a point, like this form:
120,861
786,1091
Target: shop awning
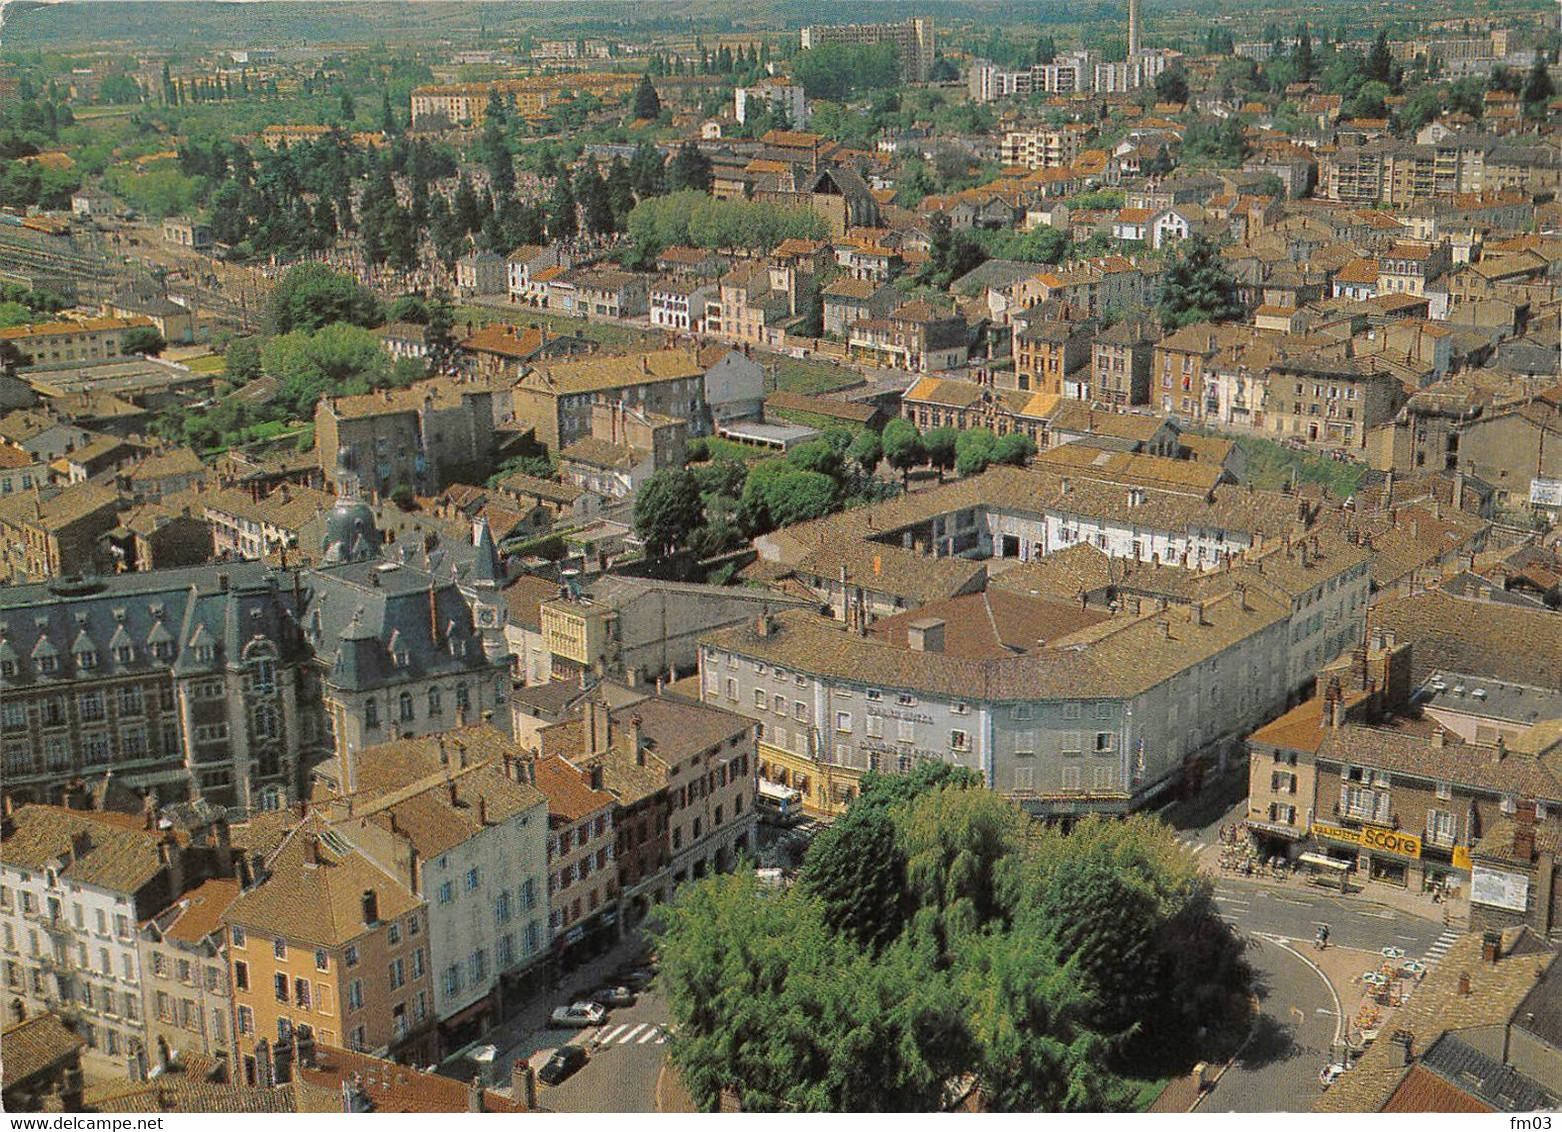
1320,861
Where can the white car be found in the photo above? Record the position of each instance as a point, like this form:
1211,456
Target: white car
578,1015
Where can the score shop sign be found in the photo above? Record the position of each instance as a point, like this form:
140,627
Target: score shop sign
1371,837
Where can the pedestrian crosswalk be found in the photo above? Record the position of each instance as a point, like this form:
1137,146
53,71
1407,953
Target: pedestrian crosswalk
1440,946
630,1033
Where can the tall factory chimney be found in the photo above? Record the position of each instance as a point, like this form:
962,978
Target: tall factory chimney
1133,28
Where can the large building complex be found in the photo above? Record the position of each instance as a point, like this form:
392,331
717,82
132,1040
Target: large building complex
913,38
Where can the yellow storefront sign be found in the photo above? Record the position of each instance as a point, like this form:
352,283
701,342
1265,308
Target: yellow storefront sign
1383,840
1461,857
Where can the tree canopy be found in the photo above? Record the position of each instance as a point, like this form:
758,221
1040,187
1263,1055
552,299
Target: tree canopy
936,921
1197,287
311,296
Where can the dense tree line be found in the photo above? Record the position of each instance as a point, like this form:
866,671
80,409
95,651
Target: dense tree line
935,940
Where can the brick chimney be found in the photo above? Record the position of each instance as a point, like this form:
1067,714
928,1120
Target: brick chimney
1524,843
1491,947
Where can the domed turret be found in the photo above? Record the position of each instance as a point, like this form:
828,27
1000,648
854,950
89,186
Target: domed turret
351,533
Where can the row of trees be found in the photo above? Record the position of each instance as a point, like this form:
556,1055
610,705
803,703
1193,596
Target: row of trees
695,218
935,940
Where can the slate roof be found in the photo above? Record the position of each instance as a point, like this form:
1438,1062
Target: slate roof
362,615
141,611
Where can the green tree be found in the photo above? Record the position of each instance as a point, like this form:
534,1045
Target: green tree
689,169
1380,63
1538,90
1302,59
311,296
142,340
562,221
857,871
867,451
1197,287
902,445
778,494
939,446
242,361
1171,85
337,359
1013,448
667,510
646,102
974,450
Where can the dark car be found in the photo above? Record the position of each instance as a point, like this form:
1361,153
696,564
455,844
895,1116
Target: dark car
565,1060
613,995
635,978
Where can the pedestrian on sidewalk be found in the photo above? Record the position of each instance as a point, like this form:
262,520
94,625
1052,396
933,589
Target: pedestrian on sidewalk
1323,937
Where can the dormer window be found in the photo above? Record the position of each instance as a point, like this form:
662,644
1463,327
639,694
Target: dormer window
48,665
86,660
8,669
125,655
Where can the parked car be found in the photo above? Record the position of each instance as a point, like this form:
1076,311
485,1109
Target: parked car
578,1015
635,978
565,1060
613,996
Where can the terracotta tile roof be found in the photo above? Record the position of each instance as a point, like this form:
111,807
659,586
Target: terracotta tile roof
1119,656
854,411
1409,746
1437,1007
86,325
1479,638
384,1086
569,794
524,597
200,910
990,624
611,371
438,791
1423,1090
287,509
37,1045
506,341
106,850
318,905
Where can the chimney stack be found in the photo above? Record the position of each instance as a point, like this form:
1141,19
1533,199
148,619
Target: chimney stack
1464,984
596,776
1524,843
482,810
636,740
474,1095
1491,947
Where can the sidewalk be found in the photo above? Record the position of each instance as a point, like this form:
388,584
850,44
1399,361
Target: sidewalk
1453,913
527,1035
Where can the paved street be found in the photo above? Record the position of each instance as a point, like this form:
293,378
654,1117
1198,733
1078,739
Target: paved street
1277,1070
626,1056
1354,922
